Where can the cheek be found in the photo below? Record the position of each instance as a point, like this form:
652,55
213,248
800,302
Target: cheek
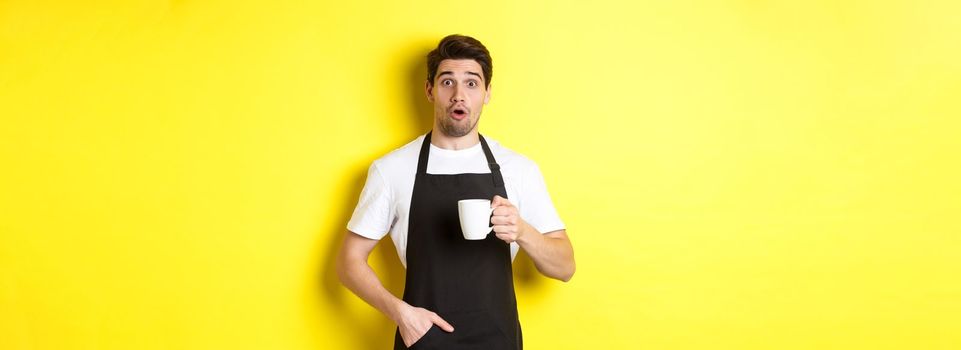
440,97
478,100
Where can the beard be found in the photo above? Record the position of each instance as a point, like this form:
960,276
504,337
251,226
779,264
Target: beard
457,128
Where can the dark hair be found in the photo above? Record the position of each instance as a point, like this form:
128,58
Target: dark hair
457,47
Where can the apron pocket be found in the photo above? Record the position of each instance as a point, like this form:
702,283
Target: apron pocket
425,342
473,330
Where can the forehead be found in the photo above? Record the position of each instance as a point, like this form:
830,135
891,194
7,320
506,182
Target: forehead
459,66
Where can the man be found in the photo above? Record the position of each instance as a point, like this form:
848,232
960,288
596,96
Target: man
459,293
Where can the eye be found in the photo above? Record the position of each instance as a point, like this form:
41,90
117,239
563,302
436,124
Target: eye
472,83
447,82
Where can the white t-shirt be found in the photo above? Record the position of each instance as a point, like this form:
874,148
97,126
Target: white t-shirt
384,203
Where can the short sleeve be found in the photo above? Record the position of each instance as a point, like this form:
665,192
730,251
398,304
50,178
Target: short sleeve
536,207
374,212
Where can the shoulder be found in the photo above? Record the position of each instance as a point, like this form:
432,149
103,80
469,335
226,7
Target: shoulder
400,160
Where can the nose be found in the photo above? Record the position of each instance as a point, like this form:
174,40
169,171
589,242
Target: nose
458,95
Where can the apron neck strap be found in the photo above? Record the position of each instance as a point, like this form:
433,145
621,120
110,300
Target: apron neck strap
492,163
424,151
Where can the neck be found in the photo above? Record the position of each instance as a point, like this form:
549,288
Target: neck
439,139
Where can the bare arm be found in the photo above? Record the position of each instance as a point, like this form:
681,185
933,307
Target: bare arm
355,273
551,252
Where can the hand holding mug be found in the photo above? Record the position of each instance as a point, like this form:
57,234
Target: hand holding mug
508,225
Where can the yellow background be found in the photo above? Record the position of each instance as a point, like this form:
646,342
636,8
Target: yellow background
733,174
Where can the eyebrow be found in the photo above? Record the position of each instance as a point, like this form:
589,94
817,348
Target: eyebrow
447,72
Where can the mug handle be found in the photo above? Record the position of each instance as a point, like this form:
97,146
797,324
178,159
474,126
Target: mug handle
490,214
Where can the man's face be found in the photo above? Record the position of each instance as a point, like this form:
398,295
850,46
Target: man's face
458,93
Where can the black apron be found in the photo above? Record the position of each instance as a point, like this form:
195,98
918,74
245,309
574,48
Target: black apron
467,283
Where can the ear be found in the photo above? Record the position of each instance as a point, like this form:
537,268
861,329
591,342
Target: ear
427,89
488,97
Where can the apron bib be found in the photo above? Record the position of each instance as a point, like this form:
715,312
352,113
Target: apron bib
467,283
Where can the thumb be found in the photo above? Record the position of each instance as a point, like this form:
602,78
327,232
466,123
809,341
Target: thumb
498,201
442,324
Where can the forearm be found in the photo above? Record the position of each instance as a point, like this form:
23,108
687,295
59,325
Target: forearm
360,278
551,253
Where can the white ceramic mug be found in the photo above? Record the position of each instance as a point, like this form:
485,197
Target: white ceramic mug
475,218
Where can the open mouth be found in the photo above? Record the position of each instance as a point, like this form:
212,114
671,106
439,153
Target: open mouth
458,113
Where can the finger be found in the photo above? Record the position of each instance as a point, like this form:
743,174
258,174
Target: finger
506,229
499,201
442,324
502,220
504,211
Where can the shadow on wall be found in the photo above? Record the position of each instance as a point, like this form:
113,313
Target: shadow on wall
420,110
384,259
